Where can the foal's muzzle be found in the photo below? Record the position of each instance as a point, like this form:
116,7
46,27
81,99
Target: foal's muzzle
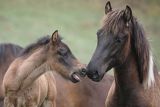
76,76
83,72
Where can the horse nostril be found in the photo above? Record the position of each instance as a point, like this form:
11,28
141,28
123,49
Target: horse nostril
83,72
95,75
96,72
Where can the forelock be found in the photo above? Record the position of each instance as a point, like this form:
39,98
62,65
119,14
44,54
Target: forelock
112,22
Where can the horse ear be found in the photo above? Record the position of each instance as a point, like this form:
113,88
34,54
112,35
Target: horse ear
108,7
127,14
55,37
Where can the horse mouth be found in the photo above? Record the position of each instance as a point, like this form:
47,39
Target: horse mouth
75,77
97,79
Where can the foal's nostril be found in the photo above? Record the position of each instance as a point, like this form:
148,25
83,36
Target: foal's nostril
83,72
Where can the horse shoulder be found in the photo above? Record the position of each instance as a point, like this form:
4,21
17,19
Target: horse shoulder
37,91
109,100
10,82
52,92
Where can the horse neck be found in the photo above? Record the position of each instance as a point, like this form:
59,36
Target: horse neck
33,67
126,75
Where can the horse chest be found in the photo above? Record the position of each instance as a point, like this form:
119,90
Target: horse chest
127,101
35,94
132,98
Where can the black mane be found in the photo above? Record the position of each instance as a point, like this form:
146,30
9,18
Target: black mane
41,42
141,48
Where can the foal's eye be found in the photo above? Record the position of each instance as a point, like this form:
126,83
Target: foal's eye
62,51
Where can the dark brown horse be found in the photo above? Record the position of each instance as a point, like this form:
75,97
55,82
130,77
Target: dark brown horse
8,52
122,45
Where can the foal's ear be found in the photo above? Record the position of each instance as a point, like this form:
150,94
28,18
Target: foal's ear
55,37
108,7
127,14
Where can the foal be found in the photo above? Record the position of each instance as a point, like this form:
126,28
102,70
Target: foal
27,82
122,45
78,95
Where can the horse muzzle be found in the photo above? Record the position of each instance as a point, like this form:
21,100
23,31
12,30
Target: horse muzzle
76,76
94,75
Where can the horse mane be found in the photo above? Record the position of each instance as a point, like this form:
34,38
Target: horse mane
139,43
141,48
8,48
40,42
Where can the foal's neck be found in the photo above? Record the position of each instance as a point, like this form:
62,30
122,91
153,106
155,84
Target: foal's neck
32,67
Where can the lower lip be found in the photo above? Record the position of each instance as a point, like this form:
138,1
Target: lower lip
75,78
96,79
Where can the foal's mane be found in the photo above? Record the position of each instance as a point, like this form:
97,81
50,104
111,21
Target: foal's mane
114,21
40,42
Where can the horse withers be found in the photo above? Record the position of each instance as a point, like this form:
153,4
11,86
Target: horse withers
28,82
122,45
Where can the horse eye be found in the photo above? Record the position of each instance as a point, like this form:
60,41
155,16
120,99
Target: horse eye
62,51
99,32
118,40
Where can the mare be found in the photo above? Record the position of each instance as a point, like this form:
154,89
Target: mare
28,82
8,52
122,45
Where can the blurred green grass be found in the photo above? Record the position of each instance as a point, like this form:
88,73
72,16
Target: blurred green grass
24,21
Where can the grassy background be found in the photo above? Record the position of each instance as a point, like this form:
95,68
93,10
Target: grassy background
24,21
